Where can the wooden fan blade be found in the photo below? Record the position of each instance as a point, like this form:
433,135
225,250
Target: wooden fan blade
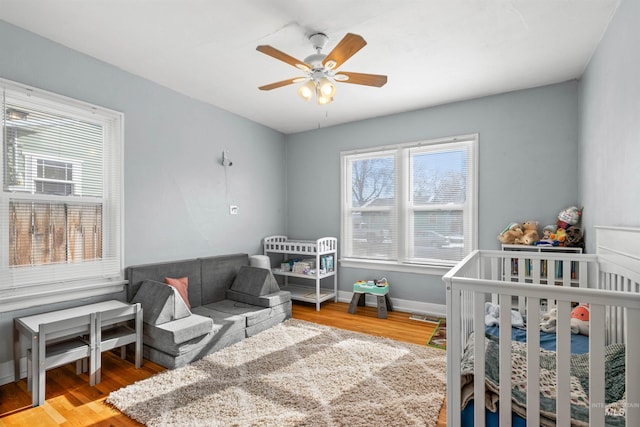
275,53
282,83
376,80
348,46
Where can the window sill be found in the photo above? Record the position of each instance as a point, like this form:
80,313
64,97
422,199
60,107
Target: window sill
17,299
436,270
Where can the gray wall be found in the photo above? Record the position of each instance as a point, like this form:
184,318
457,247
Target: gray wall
177,195
528,168
610,126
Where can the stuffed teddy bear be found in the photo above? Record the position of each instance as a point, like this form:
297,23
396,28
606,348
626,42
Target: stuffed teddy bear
574,238
529,235
511,233
580,320
549,320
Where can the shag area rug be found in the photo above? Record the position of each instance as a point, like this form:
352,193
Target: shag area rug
296,374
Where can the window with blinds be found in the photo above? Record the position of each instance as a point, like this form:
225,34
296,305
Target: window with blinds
410,203
61,202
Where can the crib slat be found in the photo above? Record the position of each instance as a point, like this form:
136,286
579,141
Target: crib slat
596,367
454,355
495,269
505,360
632,355
479,361
551,277
521,270
533,361
566,273
535,270
563,353
583,274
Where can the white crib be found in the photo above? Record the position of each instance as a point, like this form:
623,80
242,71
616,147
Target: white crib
609,281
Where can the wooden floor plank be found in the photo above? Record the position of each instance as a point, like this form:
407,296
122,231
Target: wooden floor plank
71,401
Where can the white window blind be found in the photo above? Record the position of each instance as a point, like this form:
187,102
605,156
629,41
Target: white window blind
61,202
410,203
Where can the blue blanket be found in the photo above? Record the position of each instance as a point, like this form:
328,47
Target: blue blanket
579,343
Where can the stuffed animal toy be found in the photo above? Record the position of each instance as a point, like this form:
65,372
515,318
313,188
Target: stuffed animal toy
559,236
574,238
530,233
546,239
569,216
580,320
510,233
549,320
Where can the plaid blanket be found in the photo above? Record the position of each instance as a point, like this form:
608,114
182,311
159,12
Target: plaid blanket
614,382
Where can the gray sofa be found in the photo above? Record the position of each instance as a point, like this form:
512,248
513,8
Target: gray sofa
229,301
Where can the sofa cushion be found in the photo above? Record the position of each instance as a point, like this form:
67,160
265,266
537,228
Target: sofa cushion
230,322
269,300
181,284
161,303
189,268
168,335
218,273
255,281
166,345
251,313
273,320
193,351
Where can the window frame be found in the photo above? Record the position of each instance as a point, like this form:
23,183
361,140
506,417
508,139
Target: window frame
31,178
404,205
22,287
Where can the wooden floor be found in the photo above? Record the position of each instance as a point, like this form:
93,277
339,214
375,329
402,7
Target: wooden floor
70,401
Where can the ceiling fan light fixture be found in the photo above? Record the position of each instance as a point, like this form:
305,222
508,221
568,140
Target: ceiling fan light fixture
326,88
324,100
306,90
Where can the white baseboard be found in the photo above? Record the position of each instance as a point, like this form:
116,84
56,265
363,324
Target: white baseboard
439,310
6,372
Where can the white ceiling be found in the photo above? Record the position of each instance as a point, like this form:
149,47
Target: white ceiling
433,51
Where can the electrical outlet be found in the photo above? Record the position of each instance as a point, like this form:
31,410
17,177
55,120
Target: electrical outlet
233,210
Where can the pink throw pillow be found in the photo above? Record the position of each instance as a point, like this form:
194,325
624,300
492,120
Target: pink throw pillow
181,286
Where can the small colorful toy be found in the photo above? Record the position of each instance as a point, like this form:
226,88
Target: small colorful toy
569,216
580,320
547,232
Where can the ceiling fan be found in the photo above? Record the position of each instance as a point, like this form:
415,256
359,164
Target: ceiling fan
320,69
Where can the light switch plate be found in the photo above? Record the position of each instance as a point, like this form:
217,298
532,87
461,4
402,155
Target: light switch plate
233,210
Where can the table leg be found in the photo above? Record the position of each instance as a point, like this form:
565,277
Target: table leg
16,352
138,343
37,384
